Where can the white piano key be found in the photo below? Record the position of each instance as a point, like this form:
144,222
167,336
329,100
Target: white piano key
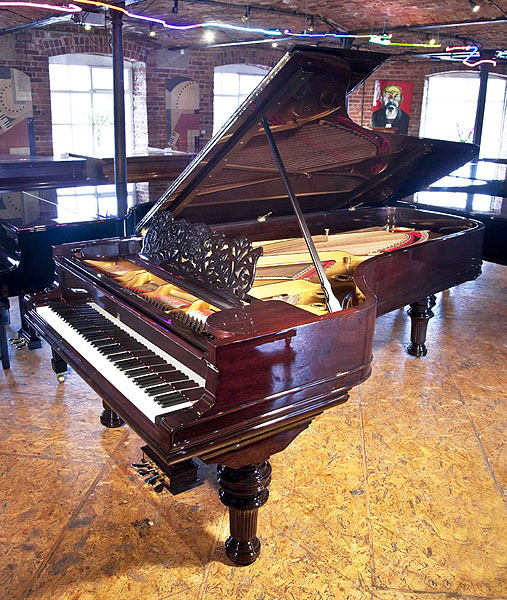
144,402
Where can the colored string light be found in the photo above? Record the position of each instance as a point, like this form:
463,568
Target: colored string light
473,51
323,35
385,40
71,8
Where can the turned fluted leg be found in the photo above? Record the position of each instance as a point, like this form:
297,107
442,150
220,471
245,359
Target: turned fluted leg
420,313
244,491
109,418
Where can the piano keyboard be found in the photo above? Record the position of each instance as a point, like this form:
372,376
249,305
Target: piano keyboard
155,382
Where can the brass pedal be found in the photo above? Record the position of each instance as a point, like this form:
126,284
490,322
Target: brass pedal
18,343
155,477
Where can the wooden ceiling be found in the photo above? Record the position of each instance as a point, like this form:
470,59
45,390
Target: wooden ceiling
450,22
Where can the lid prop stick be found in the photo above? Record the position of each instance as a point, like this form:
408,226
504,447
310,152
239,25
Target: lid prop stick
332,302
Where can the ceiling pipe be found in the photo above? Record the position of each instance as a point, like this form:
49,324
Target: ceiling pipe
120,154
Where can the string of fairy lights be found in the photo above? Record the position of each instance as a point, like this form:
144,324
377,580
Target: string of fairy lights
472,58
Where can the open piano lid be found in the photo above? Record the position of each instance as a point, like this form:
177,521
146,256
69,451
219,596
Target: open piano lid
332,162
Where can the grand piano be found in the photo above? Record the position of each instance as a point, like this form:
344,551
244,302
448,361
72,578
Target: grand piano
245,305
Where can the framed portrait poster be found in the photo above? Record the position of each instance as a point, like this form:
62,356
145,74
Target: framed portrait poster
392,103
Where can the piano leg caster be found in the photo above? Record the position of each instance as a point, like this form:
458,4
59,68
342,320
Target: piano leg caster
420,313
109,418
58,365
244,491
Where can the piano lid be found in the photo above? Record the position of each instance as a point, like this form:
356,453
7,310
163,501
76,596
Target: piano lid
332,162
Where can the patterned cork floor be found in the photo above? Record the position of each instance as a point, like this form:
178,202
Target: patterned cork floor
396,495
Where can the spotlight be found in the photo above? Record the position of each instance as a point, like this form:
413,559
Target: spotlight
88,27
474,6
431,40
246,17
311,27
209,36
174,9
152,33
274,45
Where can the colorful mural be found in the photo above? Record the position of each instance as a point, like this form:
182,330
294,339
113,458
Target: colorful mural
16,114
182,114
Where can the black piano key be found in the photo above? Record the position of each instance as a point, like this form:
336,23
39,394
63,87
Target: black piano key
149,382
162,369
172,376
146,357
177,397
137,372
159,390
128,364
114,351
169,399
102,342
183,385
152,360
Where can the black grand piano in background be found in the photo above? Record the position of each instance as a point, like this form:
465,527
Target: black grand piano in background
29,228
178,330
477,191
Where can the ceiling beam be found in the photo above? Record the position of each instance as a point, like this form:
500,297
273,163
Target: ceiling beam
36,24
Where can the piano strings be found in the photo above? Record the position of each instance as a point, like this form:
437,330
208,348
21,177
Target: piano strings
284,272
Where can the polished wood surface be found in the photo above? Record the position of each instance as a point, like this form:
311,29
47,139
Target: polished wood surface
46,172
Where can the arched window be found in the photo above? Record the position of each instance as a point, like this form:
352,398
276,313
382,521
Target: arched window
232,84
82,104
448,113
449,107
82,123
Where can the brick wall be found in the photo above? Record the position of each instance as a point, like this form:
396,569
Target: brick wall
31,51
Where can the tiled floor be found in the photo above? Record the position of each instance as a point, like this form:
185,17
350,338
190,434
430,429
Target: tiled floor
396,495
